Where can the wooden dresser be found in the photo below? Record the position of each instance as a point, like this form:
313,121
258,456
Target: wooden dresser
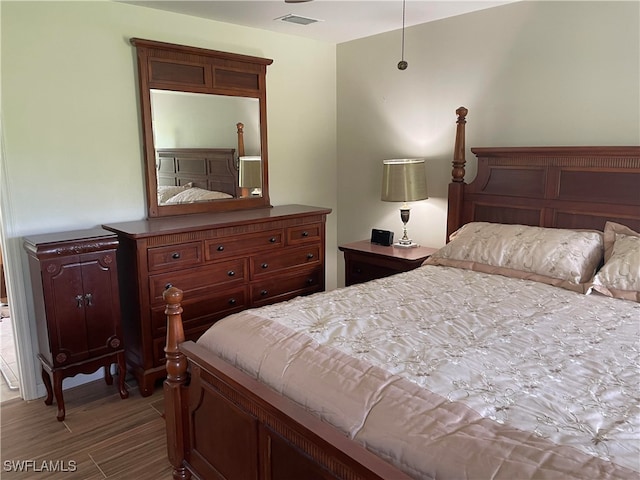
75,288
224,262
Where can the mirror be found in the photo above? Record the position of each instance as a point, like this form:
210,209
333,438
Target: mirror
185,121
204,129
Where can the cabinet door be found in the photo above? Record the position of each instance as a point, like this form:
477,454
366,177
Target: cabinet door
101,303
64,298
83,309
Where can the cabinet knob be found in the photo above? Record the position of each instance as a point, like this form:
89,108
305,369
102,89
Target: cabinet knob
232,301
305,234
231,273
176,255
309,256
79,301
265,265
220,248
89,299
272,240
309,281
263,292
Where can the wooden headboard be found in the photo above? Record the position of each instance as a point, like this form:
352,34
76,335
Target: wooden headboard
209,168
562,187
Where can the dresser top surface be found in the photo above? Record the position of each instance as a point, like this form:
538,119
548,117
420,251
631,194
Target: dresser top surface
164,225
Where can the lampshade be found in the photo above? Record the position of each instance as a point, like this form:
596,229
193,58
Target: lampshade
250,172
404,180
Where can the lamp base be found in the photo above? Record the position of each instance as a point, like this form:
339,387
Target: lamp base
406,245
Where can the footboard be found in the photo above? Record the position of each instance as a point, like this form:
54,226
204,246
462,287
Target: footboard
224,424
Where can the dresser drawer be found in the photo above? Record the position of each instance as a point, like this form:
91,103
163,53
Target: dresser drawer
299,234
363,272
264,264
225,247
284,287
203,311
174,256
198,282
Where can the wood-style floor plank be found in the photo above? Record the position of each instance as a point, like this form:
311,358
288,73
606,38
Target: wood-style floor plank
102,436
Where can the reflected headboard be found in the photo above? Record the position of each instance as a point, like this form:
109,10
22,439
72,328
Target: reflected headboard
208,168
562,187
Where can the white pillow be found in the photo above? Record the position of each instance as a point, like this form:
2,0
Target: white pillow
165,192
196,194
562,257
619,277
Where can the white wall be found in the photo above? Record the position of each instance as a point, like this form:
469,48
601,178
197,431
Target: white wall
71,127
530,73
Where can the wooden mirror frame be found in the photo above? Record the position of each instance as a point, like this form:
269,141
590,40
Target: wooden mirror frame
166,66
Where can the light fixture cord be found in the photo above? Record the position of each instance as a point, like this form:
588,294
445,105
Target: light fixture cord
404,4
402,65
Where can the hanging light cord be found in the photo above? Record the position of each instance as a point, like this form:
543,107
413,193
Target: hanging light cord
402,65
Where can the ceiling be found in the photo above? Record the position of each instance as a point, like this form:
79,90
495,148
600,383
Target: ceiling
338,20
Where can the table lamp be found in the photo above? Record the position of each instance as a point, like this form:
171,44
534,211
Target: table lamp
251,174
404,180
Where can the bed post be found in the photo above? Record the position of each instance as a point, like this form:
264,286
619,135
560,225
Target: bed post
456,187
240,127
175,407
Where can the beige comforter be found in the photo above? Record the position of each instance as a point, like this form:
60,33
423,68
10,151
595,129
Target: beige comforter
454,374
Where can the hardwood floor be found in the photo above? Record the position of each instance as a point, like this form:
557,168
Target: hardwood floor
102,436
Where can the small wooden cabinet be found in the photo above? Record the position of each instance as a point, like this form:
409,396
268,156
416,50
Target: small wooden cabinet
75,286
223,262
366,261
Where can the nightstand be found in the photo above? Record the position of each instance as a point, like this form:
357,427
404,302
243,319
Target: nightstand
366,261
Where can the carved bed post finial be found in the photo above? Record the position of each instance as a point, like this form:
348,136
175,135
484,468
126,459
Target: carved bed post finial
459,150
456,187
176,361
240,127
174,385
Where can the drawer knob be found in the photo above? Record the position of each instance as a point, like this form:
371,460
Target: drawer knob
265,265
220,248
176,255
231,273
305,234
232,301
309,281
272,240
263,292
309,256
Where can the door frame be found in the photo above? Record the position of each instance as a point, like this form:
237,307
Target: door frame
30,388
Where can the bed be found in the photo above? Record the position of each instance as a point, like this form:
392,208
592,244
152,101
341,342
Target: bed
513,353
187,175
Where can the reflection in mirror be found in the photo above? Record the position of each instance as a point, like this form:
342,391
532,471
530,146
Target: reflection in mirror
201,140
251,174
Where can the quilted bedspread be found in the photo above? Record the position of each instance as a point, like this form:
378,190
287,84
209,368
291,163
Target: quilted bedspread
455,374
